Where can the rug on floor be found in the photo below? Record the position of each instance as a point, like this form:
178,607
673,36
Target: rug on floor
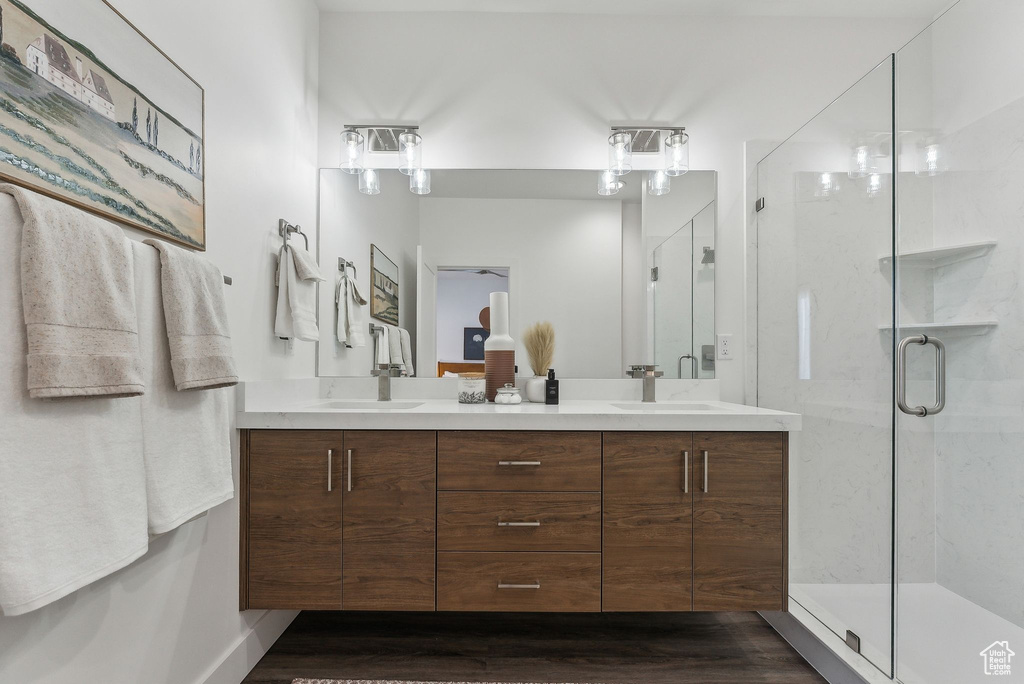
385,681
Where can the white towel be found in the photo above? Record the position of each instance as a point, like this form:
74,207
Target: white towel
382,353
186,436
395,346
296,297
350,313
79,307
73,498
407,352
196,319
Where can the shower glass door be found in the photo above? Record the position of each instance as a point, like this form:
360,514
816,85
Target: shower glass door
960,256
825,311
672,291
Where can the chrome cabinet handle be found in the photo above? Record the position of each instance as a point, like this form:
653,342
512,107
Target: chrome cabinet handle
686,472
940,376
503,585
330,459
349,470
519,463
527,523
705,490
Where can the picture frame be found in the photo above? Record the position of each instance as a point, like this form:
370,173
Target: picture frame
384,294
473,343
96,115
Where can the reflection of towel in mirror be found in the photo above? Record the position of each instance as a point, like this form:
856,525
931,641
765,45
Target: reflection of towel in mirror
395,346
296,296
382,354
407,352
350,313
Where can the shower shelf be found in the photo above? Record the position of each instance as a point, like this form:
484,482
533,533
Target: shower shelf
935,257
954,328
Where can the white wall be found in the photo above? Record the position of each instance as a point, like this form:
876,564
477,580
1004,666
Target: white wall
349,223
565,266
540,90
173,615
460,297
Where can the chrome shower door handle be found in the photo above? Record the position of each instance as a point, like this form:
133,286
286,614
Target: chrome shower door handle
940,376
330,460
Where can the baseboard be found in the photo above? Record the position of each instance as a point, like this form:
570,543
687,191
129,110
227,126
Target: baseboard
239,660
820,654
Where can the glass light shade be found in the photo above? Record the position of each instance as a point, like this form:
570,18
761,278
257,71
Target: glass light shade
608,183
369,182
351,152
419,181
620,153
658,183
931,158
874,184
828,185
410,153
677,154
862,163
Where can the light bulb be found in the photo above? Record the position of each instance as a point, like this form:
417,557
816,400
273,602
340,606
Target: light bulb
608,183
677,154
369,182
419,181
620,153
874,184
410,151
351,151
659,183
860,162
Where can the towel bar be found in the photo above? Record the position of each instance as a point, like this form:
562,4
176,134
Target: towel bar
344,264
284,229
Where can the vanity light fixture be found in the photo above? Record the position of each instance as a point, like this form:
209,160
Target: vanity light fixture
410,152
369,182
609,184
931,157
352,151
874,184
658,182
620,153
419,181
677,153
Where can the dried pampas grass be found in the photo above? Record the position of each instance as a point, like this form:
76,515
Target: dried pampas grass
539,339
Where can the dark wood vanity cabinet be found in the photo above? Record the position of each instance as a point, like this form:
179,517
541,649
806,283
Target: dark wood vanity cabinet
739,521
513,521
291,519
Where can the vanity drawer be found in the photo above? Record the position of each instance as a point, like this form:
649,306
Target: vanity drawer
518,521
519,582
519,461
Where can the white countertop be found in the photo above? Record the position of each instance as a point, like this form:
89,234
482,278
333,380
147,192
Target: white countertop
574,414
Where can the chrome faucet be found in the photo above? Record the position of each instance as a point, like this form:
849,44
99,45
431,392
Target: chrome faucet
648,375
384,372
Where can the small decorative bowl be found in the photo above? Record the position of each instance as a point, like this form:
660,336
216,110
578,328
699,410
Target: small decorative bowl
509,394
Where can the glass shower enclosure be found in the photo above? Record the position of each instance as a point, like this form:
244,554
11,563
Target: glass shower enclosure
890,313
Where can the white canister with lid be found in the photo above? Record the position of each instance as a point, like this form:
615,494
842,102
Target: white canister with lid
472,388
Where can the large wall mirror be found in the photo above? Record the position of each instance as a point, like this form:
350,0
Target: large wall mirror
626,278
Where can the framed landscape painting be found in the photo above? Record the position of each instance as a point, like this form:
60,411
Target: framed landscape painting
93,114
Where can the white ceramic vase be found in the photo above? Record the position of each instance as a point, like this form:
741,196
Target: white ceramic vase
535,389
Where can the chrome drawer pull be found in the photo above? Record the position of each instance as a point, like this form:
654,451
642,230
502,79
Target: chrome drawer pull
535,585
519,463
350,470
527,523
686,472
330,459
705,490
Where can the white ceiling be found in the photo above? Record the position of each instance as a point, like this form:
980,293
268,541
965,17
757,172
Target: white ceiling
781,8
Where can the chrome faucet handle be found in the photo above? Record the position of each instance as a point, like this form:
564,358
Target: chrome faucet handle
392,370
644,370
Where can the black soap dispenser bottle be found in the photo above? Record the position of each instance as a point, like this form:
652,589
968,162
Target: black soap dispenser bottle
551,389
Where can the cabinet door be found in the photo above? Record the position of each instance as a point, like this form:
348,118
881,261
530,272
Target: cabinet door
647,521
389,513
739,521
294,519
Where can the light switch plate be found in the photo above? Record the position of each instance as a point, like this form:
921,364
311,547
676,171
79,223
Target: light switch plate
724,347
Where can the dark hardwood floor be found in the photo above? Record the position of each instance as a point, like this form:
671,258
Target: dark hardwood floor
607,648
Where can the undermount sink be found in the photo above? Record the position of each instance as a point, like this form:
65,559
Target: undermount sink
687,406
374,405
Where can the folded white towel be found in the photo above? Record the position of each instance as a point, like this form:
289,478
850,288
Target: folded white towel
73,501
407,351
196,319
186,436
79,305
382,353
350,313
296,298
